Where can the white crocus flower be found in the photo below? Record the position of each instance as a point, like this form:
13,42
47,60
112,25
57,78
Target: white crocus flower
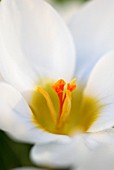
37,58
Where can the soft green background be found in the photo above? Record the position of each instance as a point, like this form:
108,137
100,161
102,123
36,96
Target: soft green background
65,1
14,154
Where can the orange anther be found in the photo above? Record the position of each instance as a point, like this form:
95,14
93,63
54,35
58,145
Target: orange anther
71,86
59,88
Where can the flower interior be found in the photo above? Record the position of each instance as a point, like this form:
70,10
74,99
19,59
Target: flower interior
62,108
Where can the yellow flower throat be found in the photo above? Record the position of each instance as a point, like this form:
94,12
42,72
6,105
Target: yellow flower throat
62,108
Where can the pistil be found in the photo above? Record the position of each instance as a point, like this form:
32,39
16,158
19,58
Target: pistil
64,91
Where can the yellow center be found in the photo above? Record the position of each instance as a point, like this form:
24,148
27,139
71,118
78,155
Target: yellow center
62,108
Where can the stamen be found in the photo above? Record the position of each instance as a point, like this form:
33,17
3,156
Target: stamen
66,109
59,89
72,86
58,109
49,103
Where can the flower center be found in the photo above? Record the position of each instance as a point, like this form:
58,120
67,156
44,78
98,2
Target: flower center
62,108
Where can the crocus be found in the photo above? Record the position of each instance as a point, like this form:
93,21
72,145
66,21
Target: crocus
48,99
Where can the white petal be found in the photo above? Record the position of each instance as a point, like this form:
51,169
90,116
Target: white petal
92,28
50,155
101,87
32,35
101,159
92,143
16,118
95,140
14,68
56,154
1,78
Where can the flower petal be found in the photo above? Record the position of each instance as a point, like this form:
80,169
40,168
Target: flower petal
100,86
94,140
14,68
1,78
102,158
16,118
33,36
92,28
56,154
